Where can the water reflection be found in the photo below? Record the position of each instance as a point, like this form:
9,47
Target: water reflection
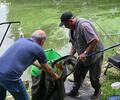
3,18
57,2
3,12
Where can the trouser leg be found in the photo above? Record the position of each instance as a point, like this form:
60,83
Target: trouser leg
39,89
79,74
95,72
35,87
2,93
17,89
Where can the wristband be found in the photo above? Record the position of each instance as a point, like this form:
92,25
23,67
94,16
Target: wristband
85,52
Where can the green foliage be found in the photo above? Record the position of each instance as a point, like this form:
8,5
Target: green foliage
112,76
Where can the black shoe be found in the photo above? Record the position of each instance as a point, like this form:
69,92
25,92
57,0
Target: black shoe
96,94
73,93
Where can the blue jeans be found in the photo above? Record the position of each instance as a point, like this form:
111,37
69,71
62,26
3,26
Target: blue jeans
16,88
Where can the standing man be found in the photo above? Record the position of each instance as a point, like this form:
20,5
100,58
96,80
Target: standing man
16,60
85,41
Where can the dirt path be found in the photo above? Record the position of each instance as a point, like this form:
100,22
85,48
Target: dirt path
85,91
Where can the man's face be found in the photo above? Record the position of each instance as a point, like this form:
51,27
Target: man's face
41,42
67,24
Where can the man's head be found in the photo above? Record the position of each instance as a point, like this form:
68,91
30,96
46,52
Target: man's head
68,20
39,36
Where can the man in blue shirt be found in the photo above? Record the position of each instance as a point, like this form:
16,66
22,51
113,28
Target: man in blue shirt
16,60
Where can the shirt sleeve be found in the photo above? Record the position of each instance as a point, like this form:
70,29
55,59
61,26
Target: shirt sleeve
42,57
89,32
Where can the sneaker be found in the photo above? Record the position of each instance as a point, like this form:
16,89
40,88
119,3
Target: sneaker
73,93
96,94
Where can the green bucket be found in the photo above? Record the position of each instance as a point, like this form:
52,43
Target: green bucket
51,55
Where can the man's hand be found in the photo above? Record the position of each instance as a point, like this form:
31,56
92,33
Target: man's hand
49,70
82,56
55,77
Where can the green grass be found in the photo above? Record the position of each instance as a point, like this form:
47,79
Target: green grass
112,76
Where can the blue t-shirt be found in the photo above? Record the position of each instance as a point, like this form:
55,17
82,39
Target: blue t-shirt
19,56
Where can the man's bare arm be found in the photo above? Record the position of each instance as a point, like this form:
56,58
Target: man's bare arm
49,70
37,64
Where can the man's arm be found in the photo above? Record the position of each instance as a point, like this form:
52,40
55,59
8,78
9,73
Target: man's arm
37,64
92,46
91,38
89,49
47,69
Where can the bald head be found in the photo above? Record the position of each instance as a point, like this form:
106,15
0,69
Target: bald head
39,35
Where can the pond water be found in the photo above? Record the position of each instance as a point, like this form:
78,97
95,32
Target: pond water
3,18
44,14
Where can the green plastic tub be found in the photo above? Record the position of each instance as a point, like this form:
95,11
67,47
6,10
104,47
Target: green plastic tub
51,55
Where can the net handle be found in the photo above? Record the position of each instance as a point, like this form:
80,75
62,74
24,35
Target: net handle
64,57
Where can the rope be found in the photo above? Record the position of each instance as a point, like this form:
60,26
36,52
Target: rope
102,29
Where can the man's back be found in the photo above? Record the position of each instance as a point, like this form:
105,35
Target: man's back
18,57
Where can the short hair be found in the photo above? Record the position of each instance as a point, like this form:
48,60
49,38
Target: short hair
39,35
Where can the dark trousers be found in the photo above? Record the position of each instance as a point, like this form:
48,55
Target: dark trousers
94,73
44,88
38,86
